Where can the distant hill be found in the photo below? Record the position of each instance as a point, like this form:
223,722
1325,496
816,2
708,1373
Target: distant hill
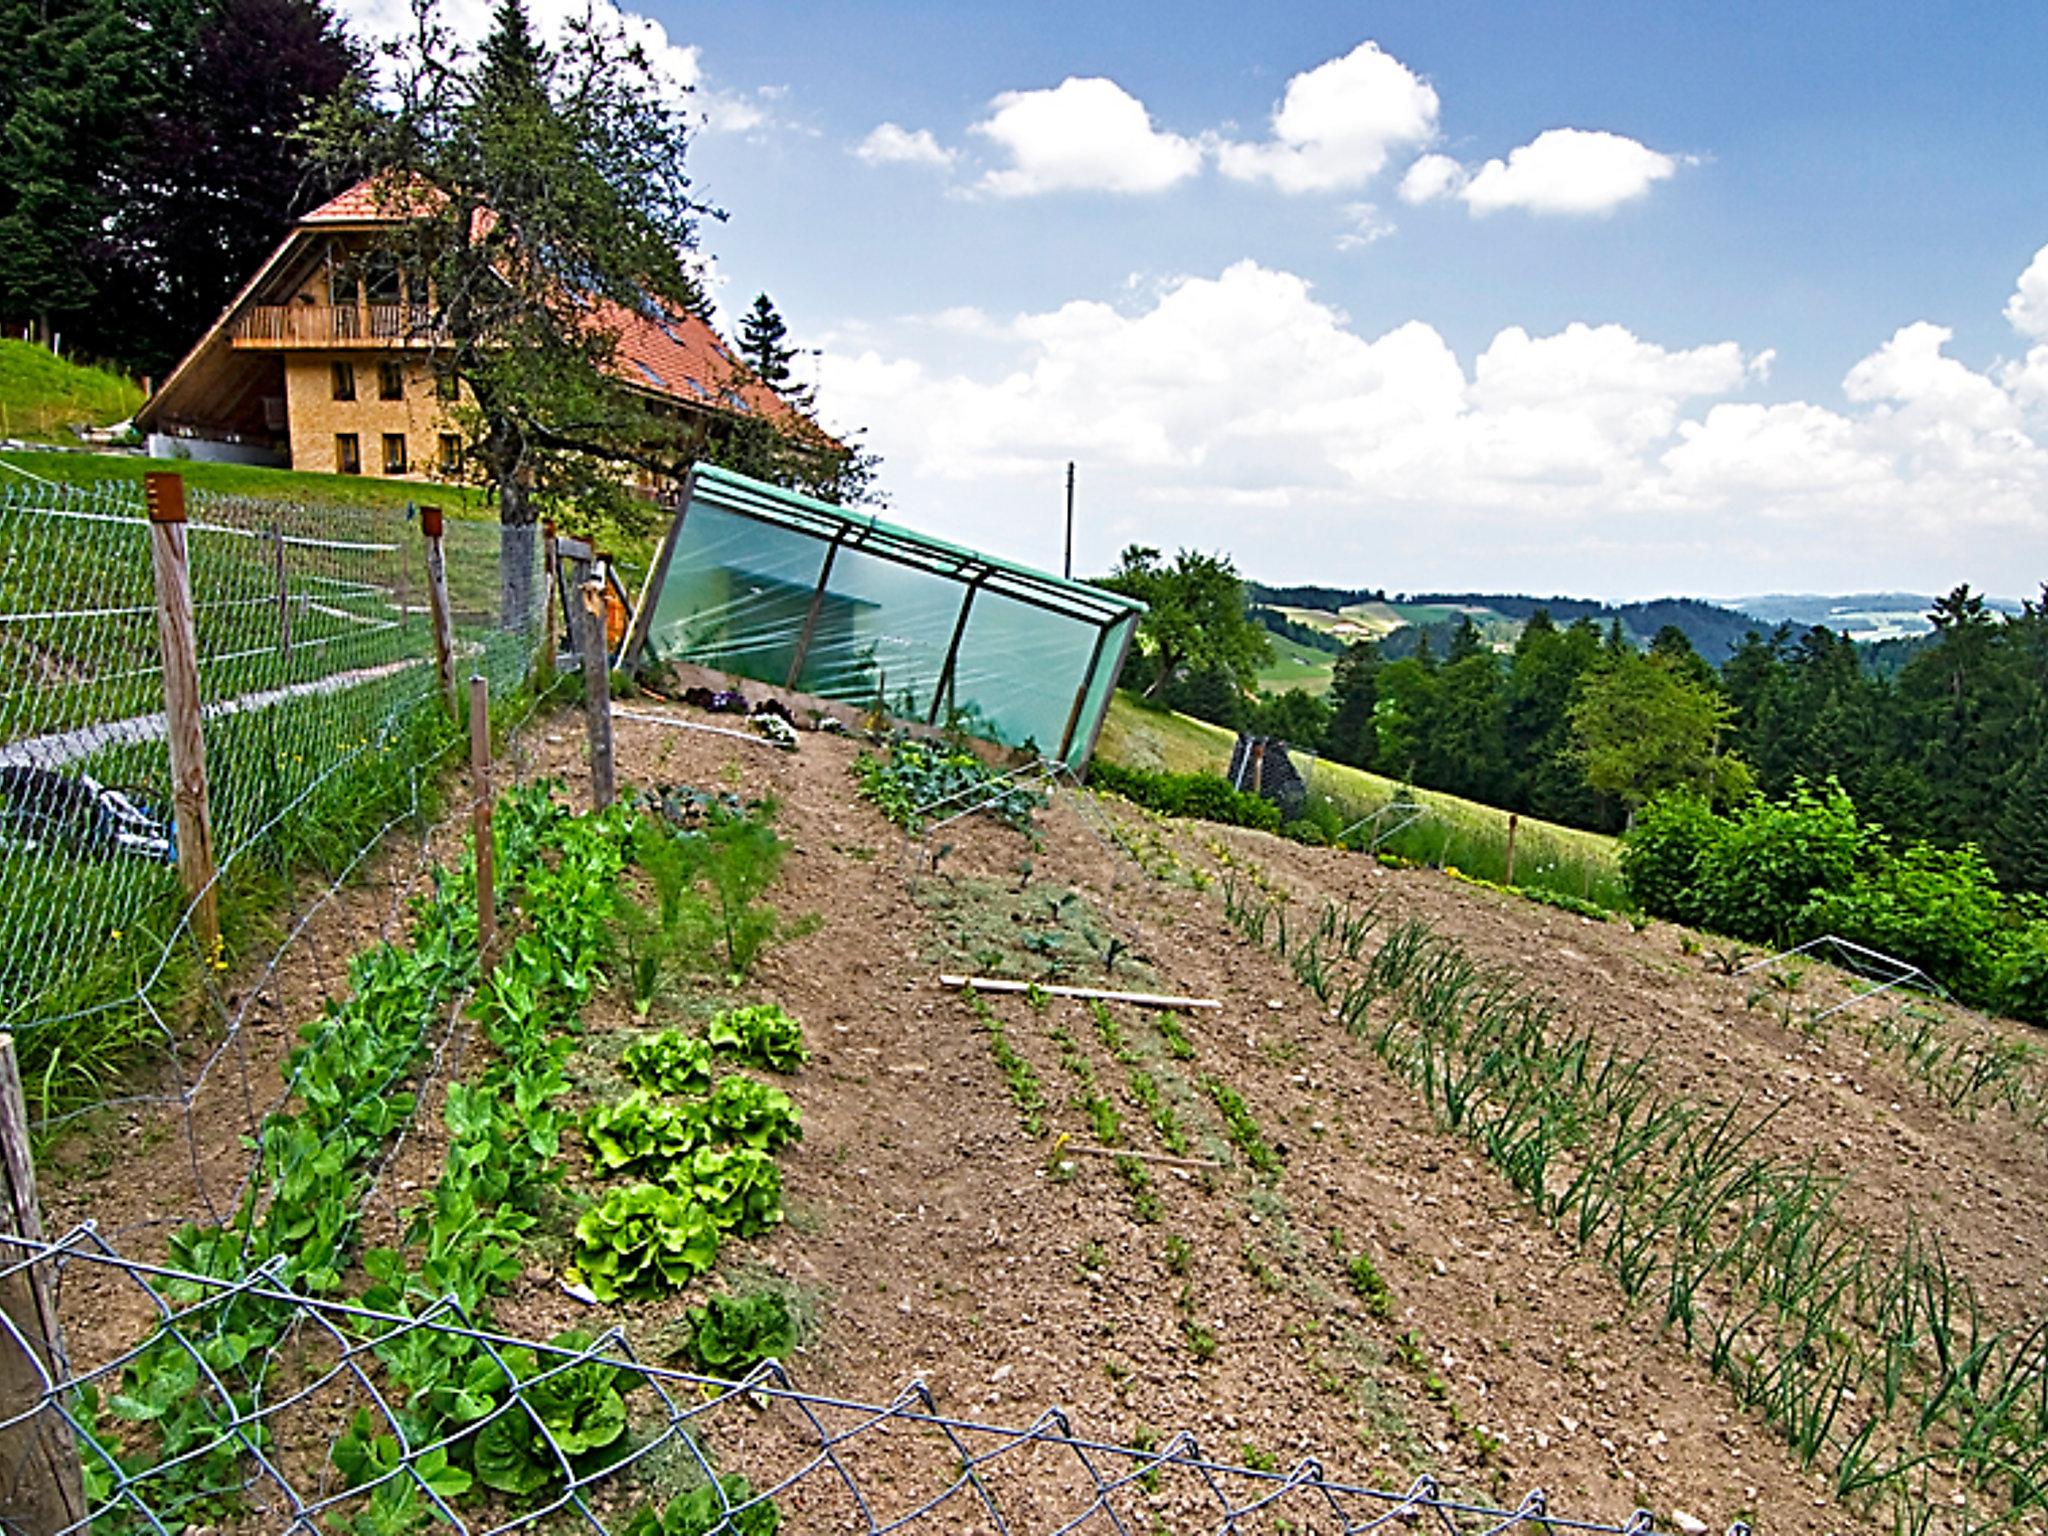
1347,612
1859,615
44,397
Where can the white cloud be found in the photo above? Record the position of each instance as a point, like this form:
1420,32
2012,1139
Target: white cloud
1082,135
679,65
1431,177
1567,171
2027,309
1368,227
889,144
1336,124
1240,410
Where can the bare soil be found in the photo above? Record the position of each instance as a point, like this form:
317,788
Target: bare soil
936,1241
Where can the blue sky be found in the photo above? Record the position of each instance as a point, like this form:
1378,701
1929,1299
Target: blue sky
1707,299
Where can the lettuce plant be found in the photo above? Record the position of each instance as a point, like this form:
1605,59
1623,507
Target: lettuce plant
729,1507
670,1062
739,1187
730,1335
643,1240
751,1114
642,1135
761,1036
562,1411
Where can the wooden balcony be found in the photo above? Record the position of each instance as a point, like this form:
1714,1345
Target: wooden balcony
283,326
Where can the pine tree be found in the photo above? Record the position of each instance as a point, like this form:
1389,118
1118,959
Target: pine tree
763,338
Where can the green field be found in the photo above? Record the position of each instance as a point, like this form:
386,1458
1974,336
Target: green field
245,480
1296,666
1455,833
43,397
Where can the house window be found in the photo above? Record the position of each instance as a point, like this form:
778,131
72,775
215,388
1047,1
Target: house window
390,381
394,453
451,453
348,453
447,386
344,381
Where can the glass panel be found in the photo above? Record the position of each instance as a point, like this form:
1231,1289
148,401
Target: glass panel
736,594
882,630
1018,671
1099,689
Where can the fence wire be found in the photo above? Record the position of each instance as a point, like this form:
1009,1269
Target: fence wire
696,1454
323,732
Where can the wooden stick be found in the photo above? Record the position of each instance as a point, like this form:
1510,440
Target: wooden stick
40,1485
1143,1157
480,820
1137,999
165,496
437,601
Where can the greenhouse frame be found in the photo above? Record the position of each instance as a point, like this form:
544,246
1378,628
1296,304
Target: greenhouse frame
766,584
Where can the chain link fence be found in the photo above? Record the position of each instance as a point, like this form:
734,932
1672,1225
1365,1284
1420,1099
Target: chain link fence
654,1451
322,727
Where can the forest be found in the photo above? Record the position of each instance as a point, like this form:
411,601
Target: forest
1943,739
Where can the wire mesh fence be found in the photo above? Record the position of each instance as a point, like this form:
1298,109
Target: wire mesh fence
576,1433
322,726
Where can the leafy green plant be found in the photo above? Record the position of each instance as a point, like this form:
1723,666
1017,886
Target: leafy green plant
752,1114
1366,1283
738,1187
1202,796
560,1411
646,1136
643,1240
914,778
670,1062
761,1036
730,1335
1244,1130
729,1507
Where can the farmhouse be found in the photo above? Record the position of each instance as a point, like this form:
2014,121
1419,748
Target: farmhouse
325,362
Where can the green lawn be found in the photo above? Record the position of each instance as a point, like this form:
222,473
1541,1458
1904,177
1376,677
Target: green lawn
1297,666
1461,833
43,397
247,480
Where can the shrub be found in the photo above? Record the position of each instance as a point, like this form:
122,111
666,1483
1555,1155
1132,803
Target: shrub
2020,974
1776,857
1202,796
1664,852
1938,909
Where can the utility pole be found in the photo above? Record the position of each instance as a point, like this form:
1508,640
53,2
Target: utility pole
1068,572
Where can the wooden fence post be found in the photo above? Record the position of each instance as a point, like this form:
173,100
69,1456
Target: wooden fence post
164,494
551,595
1514,822
437,602
40,1484
597,689
480,820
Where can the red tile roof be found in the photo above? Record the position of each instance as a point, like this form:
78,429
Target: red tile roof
678,357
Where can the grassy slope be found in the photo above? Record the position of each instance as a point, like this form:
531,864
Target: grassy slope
42,397
1297,666
248,480
1136,737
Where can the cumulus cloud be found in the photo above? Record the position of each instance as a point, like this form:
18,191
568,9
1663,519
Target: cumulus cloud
1337,124
1082,135
1240,409
1431,177
678,65
890,144
1568,170
2027,309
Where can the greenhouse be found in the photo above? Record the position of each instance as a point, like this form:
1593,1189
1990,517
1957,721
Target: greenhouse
766,584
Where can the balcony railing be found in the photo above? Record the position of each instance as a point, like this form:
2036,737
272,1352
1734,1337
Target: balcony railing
325,325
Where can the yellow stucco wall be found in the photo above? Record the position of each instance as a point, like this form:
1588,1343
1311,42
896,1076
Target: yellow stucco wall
314,417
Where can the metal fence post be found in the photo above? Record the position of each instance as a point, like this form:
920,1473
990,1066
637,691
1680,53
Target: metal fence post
437,602
40,1484
480,820
165,495
597,688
